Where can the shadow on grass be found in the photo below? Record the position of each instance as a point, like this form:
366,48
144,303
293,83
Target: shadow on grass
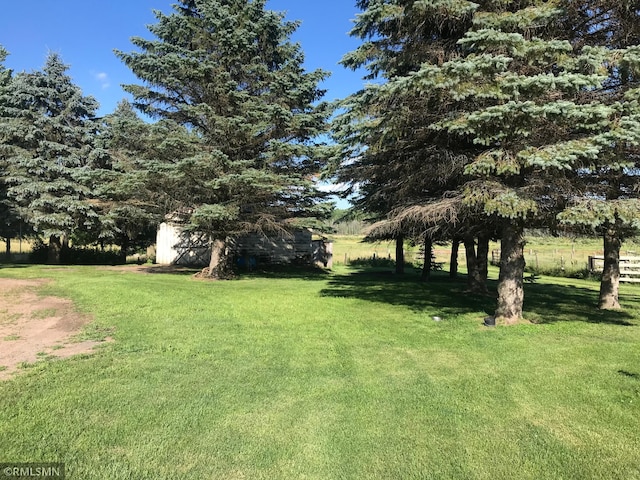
628,374
156,269
287,272
441,294
13,265
548,303
544,303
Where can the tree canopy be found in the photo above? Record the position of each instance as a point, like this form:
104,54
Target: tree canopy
228,71
9,216
48,133
527,103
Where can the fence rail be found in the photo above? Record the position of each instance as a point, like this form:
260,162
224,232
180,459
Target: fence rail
629,267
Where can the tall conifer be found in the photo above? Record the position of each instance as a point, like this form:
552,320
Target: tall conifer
528,93
9,218
400,170
539,103
228,71
129,208
50,132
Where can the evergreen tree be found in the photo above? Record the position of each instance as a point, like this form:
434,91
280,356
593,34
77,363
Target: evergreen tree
50,132
606,192
120,178
524,93
227,70
9,218
608,205
402,174
539,107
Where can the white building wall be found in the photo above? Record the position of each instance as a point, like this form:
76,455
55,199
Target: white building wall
166,239
174,247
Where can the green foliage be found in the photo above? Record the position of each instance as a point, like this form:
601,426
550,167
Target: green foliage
48,129
124,177
9,217
387,153
373,262
76,256
532,108
228,72
599,213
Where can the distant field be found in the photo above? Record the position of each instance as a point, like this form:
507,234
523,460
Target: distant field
541,253
17,246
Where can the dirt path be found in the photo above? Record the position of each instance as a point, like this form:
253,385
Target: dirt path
33,327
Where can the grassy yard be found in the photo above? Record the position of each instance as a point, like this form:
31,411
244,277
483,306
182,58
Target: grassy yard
330,376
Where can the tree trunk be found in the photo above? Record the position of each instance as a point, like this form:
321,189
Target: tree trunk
219,266
124,248
510,282
453,260
474,282
426,267
482,258
55,249
7,242
611,272
400,254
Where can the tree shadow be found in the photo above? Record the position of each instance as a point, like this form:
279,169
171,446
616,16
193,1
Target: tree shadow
13,265
287,272
626,373
155,269
167,269
441,294
276,271
544,303
547,303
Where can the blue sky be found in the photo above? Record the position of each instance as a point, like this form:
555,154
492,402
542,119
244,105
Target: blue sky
85,33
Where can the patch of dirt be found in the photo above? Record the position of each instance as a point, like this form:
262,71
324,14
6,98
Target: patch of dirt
154,269
33,327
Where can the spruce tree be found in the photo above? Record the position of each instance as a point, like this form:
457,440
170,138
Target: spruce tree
539,106
400,171
9,218
526,94
128,207
49,132
607,191
227,70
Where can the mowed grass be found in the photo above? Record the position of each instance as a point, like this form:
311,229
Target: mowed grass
330,376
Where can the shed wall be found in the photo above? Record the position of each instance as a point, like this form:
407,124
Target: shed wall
176,247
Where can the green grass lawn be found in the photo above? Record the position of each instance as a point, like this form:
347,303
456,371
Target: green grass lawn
330,376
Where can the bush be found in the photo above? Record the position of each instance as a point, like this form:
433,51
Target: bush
556,271
76,256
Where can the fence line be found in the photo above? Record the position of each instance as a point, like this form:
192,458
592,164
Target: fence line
629,267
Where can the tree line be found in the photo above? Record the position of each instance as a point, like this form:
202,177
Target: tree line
492,117
234,147
481,119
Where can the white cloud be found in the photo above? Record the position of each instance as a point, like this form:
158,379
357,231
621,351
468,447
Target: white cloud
103,79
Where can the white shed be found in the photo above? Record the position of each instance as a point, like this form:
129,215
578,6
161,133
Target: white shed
177,247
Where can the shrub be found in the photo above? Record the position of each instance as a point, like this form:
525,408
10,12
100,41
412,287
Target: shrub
77,256
557,271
